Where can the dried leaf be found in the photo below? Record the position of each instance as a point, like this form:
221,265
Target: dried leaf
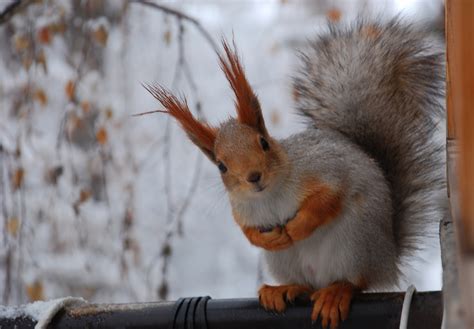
163,290
109,113
35,291
13,224
41,97
166,250
21,42
70,89
136,252
123,268
334,15
58,28
17,179
84,196
17,150
101,136
45,35
126,243
101,35
86,106
53,174
26,62
76,122
167,37
128,219
41,60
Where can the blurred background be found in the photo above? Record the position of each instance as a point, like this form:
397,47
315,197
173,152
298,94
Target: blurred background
97,203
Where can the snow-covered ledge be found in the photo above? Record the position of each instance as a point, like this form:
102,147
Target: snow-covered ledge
40,312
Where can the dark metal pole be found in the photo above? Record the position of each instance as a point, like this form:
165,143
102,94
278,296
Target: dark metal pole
368,311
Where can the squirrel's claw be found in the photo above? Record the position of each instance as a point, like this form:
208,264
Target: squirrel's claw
275,298
295,291
332,304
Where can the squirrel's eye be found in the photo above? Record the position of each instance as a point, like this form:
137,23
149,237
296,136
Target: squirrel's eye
221,167
264,143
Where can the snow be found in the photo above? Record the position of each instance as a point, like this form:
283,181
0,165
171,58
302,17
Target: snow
83,254
45,313
40,311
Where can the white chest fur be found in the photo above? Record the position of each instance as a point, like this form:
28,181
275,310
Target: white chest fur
269,209
318,260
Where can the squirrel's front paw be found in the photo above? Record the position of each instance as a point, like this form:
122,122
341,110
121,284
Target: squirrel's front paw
276,239
299,228
273,240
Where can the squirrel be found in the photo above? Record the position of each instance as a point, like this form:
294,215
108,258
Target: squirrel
338,207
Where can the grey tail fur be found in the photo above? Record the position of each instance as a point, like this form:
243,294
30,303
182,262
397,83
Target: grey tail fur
382,86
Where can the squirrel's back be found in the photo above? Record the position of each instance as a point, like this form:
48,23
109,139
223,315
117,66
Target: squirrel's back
382,86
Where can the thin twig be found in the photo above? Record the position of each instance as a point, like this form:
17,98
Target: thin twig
12,9
79,72
174,219
103,159
8,276
3,196
21,237
189,196
6,245
148,112
180,15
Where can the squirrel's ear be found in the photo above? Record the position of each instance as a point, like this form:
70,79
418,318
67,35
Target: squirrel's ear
247,104
201,134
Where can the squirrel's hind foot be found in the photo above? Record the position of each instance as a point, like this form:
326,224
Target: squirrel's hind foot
275,298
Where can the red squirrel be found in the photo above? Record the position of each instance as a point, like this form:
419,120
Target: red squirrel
339,206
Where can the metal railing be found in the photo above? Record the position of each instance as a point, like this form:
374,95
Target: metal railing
380,310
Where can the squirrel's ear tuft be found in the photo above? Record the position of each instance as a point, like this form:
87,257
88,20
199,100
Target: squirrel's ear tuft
201,134
247,104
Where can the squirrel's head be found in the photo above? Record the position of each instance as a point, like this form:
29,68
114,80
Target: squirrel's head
249,160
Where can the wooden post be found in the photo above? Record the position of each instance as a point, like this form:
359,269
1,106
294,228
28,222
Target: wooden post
460,106
460,83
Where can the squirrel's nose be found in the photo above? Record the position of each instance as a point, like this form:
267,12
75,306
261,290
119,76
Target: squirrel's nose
254,177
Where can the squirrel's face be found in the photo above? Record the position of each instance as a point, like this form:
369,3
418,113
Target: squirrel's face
249,161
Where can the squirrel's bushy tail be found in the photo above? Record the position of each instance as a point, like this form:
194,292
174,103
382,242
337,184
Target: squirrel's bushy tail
382,86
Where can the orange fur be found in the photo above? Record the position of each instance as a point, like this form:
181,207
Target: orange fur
275,298
247,156
248,107
332,303
276,239
321,205
200,133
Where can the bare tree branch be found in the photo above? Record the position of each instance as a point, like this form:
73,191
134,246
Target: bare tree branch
13,8
180,15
